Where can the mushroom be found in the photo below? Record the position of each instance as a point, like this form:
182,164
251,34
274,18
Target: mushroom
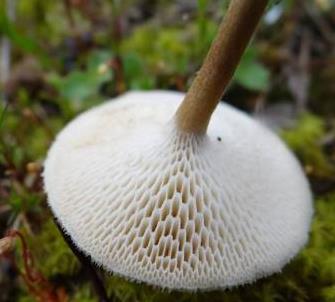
182,192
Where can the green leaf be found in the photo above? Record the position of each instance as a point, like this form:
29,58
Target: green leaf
79,85
252,74
135,74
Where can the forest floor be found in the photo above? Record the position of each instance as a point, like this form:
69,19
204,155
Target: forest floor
77,53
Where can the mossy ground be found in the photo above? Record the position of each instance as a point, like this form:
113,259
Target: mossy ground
309,277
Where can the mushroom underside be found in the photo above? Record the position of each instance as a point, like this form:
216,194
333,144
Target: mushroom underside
172,209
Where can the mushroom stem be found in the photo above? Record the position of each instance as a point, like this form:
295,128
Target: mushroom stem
234,34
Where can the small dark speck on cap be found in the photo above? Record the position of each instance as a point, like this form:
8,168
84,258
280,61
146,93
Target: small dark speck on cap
219,138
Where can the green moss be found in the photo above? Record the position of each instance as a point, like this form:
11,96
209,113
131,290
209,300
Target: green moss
165,52
52,254
328,293
305,139
26,298
83,294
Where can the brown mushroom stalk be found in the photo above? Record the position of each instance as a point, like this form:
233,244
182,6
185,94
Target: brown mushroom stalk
234,34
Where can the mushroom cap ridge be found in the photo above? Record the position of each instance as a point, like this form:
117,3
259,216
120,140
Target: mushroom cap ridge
172,209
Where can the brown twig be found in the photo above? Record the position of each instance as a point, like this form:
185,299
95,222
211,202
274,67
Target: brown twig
218,68
36,283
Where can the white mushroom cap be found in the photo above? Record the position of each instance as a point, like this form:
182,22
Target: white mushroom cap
177,210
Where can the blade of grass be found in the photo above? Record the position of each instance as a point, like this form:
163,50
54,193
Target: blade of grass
3,112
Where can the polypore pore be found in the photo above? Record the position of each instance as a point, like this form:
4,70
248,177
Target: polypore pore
176,200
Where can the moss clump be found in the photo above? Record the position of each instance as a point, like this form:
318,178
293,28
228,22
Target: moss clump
167,42
83,294
52,254
304,140
166,53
